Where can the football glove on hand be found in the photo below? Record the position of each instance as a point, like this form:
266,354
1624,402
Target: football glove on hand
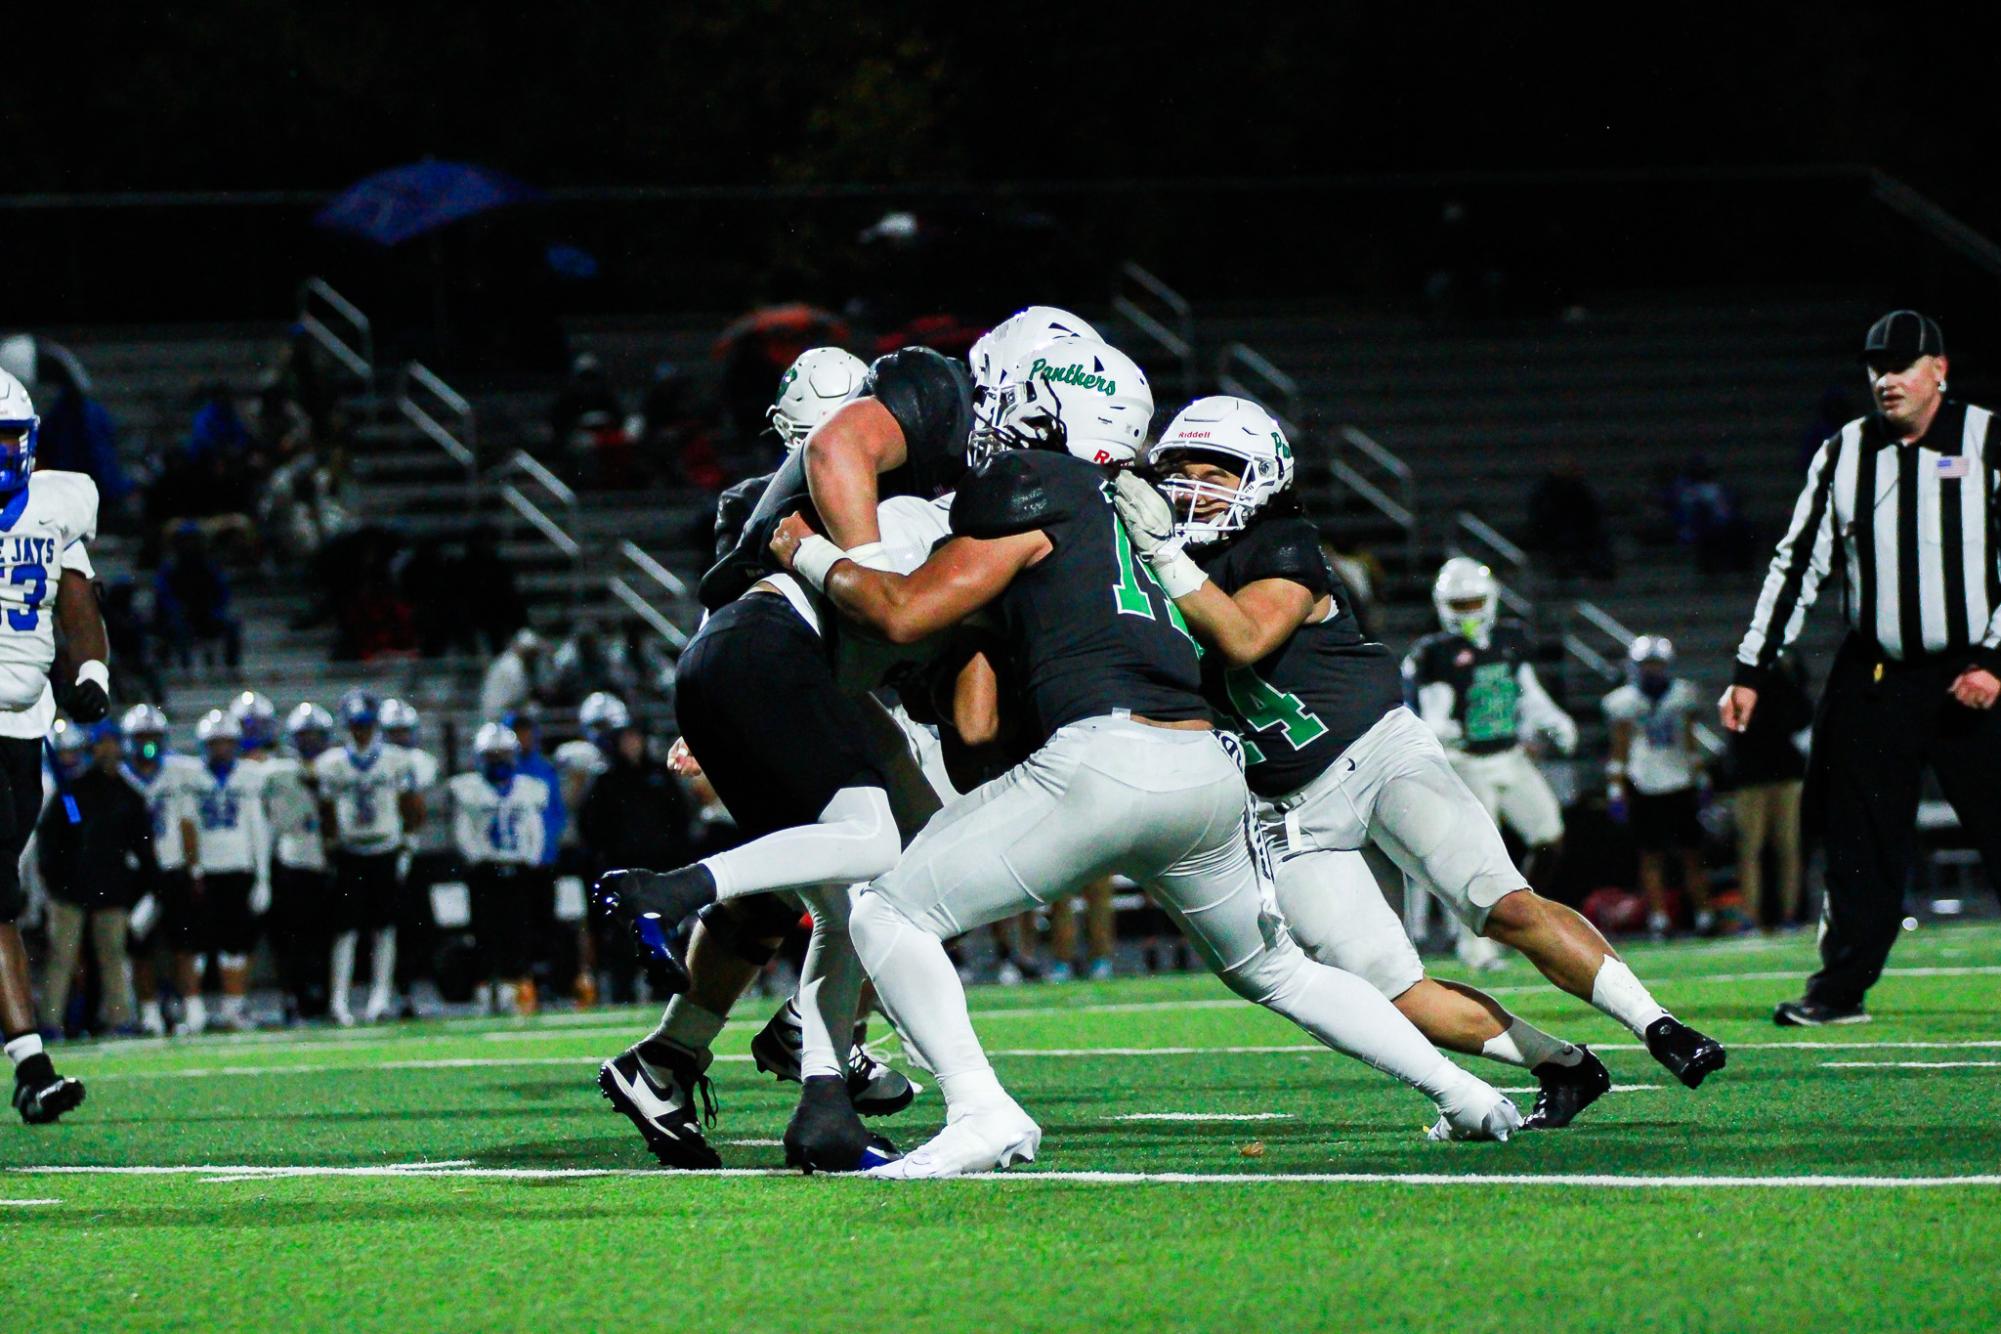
612,898
89,700
1148,518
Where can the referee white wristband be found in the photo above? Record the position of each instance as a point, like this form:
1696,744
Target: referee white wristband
815,558
95,670
1175,570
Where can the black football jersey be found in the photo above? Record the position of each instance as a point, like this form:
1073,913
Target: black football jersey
1486,682
734,508
1311,697
931,397
1087,630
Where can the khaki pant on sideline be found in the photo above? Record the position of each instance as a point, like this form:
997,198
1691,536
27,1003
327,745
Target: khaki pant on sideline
1769,813
108,928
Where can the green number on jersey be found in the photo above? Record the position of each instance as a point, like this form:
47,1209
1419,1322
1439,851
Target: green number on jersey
1492,698
1264,707
1129,593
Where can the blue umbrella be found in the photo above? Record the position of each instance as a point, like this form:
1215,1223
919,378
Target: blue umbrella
393,206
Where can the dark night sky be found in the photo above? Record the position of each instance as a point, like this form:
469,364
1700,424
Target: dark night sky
257,94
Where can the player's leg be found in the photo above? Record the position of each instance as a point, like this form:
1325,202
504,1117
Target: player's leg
109,929
350,915
1785,836
1753,808
382,889
193,928
40,1095
1653,887
1430,825
1528,806
235,935
1334,906
66,924
826,1132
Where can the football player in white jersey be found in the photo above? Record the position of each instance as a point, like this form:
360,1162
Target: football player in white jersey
1655,777
498,829
368,805
423,848
1340,762
45,578
257,716
1473,684
233,853
171,923
299,887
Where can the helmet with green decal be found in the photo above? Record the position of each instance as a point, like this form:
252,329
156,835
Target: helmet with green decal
1077,394
1235,435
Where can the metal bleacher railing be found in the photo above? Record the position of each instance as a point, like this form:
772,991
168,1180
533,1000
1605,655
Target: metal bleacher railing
1163,315
338,326
1473,537
1600,640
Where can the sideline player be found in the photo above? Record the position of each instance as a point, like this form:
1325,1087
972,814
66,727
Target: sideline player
1655,778
368,805
1126,772
168,781
300,889
45,583
1474,686
1337,757
232,850
498,829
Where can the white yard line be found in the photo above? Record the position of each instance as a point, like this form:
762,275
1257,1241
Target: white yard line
1594,1181
1911,1065
1205,1116
25,1204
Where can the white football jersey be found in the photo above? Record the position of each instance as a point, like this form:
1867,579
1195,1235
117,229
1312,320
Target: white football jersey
230,832
42,533
493,824
170,798
293,812
365,791
1660,759
425,775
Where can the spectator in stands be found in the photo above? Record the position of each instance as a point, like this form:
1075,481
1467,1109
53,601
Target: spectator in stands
1708,519
675,442
297,389
640,663
587,423
95,851
374,619
1769,768
126,629
77,434
580,666
307,501
493,606
511,680
191,600
216,423
1566,524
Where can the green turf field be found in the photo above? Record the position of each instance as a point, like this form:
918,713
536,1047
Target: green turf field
466,1175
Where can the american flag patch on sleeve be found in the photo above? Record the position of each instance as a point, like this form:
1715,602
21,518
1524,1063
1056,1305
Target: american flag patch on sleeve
1953,465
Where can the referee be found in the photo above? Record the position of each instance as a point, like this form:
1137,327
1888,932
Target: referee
1903,503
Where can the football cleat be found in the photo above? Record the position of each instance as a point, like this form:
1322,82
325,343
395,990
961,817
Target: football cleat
1488,1115
647,904
41,1103
666,1115
825,1135
990,1141
875,1088
1814,1014
1688,1055
1566,1090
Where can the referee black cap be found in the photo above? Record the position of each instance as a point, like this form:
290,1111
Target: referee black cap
1901,337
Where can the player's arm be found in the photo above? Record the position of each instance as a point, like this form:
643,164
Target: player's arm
87,696
844,456
962,576
465,828
1544,714
976,702
1622,751
1246,626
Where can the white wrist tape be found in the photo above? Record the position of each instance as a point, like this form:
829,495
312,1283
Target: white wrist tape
870,555
95,670
814,559
1176,571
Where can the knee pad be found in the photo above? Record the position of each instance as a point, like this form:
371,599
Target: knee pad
1267,975
749,928
865,825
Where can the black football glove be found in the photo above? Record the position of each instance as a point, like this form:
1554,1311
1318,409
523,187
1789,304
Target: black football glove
85,702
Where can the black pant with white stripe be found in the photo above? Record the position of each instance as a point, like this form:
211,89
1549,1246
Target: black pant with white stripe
1880,724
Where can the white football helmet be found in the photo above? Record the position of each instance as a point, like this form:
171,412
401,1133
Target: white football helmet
1077,394
397,716
1467,598
496,739
216,725
143,720
1237,434
602,711
308,717
17,414
820,380
1000,348
1651,648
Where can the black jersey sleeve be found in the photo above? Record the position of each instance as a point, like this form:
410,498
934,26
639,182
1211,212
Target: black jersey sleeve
930,396
733,511
1003,496
1287,548
1512,638
1427,659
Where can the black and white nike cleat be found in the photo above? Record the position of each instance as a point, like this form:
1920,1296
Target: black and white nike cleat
1815,1014
666,1115
825,1135
876,1088
1688,1055
1566,1090
42,1102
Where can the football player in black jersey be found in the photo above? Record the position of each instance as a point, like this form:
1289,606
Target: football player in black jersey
1336,758
813,771
1474,686
1127,773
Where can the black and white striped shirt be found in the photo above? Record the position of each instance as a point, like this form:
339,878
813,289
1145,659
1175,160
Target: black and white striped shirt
1915,529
